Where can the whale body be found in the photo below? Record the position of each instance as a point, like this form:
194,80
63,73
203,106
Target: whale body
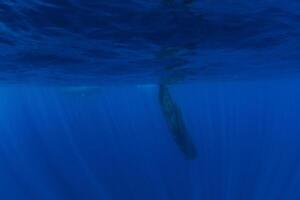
176,124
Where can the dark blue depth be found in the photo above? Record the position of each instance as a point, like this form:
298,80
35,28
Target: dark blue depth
115,144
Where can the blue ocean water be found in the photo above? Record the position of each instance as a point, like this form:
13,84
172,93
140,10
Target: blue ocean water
161,99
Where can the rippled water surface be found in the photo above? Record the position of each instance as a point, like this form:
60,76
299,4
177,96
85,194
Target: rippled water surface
92,41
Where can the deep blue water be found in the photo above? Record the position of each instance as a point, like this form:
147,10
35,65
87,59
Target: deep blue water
115,144
81,109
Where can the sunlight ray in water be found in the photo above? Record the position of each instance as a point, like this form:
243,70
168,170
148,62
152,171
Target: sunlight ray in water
149,100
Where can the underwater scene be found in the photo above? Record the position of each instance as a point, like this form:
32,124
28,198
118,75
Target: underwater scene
149,100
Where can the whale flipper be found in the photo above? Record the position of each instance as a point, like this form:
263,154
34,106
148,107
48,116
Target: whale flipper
176,124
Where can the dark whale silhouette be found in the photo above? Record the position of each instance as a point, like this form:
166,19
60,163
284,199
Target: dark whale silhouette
176,124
